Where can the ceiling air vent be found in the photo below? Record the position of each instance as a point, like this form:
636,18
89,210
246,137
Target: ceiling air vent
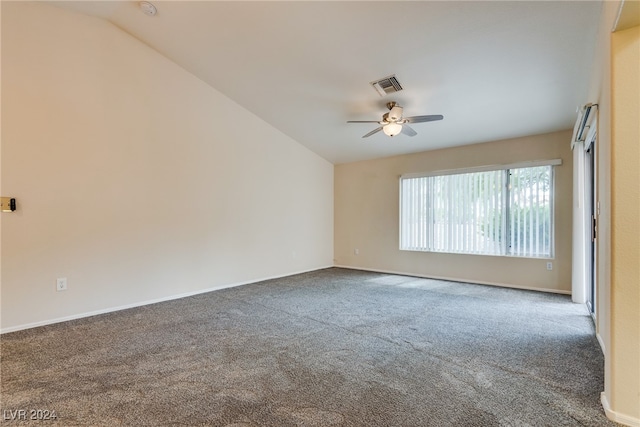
387,85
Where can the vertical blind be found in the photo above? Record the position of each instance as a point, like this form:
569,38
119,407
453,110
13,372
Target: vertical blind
496,212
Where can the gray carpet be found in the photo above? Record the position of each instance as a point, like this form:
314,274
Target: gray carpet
333,347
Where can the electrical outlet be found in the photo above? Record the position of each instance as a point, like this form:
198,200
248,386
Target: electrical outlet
61,284
549,266
356,251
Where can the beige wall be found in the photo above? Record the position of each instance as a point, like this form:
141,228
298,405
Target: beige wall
366,215
137,181
600,93
614,87
625,231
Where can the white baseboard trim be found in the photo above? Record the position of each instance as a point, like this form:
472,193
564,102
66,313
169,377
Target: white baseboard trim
601,342
457,279
616,416
147,302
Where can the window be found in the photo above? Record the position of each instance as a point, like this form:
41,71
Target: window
506,211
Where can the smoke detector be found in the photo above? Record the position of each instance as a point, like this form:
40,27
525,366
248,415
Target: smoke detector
148,8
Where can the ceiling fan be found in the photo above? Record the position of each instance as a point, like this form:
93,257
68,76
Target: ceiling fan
393,123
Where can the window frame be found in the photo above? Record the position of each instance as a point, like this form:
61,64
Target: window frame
487,168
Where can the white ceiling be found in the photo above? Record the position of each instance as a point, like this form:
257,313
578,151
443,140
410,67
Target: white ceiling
495,70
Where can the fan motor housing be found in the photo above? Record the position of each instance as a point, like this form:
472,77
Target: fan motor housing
395,114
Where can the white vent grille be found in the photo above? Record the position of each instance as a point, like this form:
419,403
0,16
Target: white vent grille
387,85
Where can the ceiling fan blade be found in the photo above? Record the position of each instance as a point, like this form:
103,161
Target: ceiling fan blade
363,121
408,130
421,119
373,131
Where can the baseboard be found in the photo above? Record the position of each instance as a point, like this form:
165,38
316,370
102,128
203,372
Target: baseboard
601,342
231,285
148,302
457,279
616,416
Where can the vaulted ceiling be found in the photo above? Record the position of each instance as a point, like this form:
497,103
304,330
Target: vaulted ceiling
495,70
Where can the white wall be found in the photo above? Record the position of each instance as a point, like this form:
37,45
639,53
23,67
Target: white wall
366,218
137,181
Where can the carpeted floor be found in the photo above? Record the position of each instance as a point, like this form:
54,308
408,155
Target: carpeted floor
333,347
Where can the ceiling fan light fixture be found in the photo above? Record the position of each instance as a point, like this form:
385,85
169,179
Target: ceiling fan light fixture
391,123
392,129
